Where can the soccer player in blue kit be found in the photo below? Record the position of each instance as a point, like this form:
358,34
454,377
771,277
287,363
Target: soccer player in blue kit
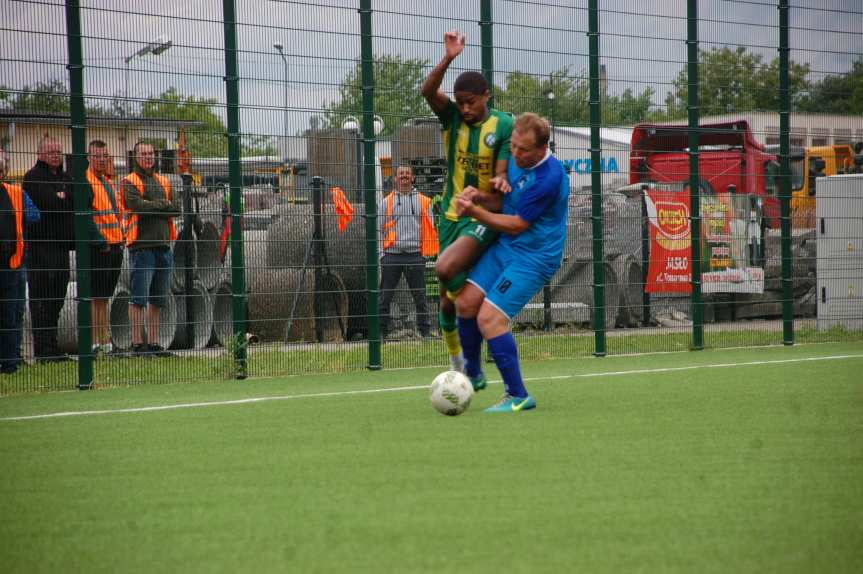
532,226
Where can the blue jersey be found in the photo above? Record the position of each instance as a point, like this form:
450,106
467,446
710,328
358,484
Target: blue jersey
540,196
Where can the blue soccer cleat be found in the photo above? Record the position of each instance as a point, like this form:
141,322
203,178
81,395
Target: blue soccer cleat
479,382
510,404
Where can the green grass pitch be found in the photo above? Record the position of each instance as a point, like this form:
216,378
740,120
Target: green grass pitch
745,460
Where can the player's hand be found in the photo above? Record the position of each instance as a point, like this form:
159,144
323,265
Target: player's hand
464,202
500,184
453,42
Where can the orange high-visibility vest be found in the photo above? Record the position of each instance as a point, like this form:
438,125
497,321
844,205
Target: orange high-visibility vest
106,219
130,219
16,195
428,234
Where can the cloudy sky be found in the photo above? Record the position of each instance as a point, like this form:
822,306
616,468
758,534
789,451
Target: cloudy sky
642,43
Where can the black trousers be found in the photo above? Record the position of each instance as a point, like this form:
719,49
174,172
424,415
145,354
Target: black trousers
47,279
412,265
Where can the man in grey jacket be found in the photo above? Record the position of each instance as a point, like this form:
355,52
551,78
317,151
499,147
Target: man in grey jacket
408,236
149,207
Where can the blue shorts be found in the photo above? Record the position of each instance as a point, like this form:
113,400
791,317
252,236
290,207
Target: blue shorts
150,275
508,281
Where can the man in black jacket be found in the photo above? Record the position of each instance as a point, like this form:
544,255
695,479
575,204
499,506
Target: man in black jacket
49,242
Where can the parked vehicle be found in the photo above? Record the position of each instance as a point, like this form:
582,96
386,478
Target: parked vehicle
730,160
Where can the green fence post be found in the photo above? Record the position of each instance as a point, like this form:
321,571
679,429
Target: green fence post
596,182
369,186
487,46
79,175
785,178
694,188
235,177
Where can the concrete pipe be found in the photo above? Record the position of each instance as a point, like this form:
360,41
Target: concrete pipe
289,244
631,303
201,317
67,325
185,252
121,329
574,284
223,325
254,256
209,265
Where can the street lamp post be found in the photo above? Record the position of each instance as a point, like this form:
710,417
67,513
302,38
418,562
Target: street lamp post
156,47
546,289
550,96
281,50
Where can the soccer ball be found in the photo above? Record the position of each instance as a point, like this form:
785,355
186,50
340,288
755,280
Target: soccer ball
451,393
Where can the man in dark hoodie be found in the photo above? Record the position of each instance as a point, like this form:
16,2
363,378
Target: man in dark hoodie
49,242
149,207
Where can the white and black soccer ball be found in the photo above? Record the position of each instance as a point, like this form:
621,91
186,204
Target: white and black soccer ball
451,393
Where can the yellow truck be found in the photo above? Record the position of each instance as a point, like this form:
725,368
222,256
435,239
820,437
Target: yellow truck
808,163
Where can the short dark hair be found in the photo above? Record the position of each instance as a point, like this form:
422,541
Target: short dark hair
97,143
472,82
139,143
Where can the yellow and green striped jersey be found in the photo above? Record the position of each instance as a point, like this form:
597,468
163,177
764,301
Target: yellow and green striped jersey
471,152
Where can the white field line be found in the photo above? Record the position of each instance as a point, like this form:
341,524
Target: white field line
253,400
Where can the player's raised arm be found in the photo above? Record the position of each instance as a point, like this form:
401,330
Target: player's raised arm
453,46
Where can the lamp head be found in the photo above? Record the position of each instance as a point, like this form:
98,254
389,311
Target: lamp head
279,46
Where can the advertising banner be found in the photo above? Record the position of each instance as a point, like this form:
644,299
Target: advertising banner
731,246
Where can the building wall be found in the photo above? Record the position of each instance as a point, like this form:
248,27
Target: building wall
21,141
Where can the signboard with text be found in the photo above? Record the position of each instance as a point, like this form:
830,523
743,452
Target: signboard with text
731,246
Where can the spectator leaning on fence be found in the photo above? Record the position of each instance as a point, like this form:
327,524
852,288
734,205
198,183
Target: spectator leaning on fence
106,241
148,207
408,236
48,243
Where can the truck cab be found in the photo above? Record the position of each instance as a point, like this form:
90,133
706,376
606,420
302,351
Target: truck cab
731,160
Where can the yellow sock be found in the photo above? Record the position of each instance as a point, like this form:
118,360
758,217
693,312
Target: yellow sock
453,346
451,295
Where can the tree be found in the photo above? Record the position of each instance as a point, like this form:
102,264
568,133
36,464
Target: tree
397,92
51,97
842,94
529,93
209,137
627,109
735,81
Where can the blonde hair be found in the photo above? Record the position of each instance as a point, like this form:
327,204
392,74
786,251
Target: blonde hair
531,122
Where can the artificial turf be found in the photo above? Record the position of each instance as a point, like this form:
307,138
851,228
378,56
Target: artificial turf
684,462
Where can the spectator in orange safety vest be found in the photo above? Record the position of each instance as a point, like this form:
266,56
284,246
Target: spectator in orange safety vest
12,220
408,236
106,241
148,206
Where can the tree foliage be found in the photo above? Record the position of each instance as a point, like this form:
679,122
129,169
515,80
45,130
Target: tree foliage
570,104
208,137
396,95
736,81
51,97
837,94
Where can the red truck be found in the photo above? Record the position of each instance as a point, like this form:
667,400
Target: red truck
730,160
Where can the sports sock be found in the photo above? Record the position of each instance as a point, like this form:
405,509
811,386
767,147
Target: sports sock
471,343
505,354
456,284
450,334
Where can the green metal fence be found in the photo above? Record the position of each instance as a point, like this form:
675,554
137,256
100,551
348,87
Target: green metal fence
263,114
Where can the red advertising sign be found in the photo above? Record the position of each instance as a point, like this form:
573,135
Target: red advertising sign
731,244
669,270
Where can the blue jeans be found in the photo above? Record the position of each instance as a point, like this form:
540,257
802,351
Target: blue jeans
150,275
11,292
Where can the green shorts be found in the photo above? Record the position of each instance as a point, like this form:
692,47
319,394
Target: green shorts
449,231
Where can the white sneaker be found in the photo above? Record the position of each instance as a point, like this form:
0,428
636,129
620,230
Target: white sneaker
108,348
456,363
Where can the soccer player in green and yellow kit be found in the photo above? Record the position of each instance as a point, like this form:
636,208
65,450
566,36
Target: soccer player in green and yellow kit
476,140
